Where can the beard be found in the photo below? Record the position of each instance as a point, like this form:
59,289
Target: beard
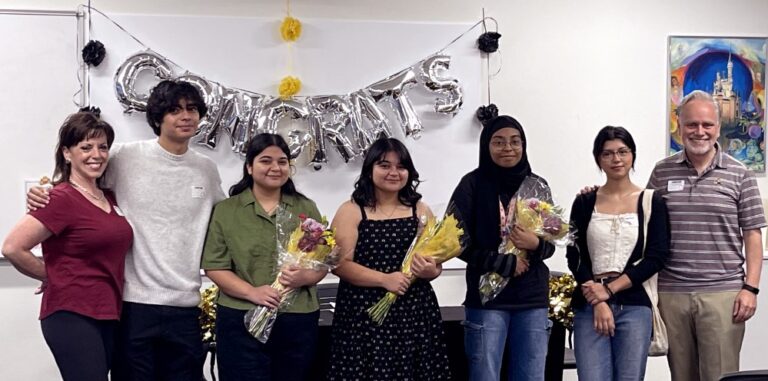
699,147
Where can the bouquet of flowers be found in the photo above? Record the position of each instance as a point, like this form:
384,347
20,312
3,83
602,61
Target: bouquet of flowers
310,246
532,209
438,239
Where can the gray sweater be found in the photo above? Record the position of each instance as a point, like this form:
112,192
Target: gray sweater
168,200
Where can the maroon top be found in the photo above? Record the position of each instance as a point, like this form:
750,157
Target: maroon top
85,256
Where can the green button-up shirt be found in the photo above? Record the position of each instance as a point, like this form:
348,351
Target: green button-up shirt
242,238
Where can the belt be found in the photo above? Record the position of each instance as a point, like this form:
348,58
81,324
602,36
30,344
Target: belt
606,280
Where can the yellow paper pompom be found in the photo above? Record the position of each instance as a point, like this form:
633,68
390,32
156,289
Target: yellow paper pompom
290,29
289,86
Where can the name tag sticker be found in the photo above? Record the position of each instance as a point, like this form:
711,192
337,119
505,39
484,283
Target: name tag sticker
198,191
675,185
118,211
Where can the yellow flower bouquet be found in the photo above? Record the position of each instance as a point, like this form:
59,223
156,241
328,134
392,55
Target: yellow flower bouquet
438,239
310,246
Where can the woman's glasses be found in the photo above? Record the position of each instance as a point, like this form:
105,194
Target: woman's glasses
514,143
621,153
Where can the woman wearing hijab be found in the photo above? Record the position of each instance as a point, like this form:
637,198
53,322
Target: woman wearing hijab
517,316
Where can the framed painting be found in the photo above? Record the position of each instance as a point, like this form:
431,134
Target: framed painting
732,69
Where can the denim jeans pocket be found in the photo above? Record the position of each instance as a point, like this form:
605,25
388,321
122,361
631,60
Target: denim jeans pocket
474,340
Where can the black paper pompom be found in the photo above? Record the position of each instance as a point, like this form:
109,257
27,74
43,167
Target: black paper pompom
486,113
489,42
94,53
93,110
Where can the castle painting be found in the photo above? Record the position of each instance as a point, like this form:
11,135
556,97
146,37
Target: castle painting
733,71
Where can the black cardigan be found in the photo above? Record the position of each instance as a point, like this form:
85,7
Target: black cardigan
656,253
529,290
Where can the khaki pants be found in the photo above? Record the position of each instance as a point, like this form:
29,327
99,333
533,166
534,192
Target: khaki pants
704,342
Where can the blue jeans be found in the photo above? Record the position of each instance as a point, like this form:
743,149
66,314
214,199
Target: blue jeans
287,355
621,357
525,332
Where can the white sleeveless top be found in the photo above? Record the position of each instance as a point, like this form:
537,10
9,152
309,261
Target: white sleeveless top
611,238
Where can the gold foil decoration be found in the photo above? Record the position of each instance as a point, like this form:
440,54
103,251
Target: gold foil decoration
208,314
560,292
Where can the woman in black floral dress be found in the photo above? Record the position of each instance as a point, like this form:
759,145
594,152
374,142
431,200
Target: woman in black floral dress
380,222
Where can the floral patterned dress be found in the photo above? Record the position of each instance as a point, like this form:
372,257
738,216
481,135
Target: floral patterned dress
409,344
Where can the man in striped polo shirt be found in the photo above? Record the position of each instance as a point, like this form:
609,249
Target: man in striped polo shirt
715,210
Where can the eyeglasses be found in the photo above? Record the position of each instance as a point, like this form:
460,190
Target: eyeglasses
512,143
608,155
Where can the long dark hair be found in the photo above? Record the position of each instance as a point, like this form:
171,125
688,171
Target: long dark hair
76,128
256,145
365,192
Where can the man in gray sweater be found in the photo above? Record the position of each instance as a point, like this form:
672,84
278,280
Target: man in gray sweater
167,192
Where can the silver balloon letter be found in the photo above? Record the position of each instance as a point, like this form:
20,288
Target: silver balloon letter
333,114
274,110
240,109
394,87
212,96
363,105
432,69
127,74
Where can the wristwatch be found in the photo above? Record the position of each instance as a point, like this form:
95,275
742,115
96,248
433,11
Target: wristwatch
751,289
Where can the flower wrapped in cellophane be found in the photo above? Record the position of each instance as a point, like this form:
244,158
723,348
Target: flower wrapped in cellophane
439,239
310,246
532,209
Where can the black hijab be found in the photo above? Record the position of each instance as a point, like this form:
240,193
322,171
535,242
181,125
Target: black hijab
495,182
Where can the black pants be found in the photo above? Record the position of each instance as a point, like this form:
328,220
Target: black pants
159,343
287,355
82,346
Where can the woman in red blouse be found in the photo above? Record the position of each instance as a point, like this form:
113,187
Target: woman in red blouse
85,238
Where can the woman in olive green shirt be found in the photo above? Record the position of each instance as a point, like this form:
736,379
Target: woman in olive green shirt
240,257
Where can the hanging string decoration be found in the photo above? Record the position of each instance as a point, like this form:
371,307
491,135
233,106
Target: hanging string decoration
486,113
351,122
289,86
93,53
290,29
346,123
488,42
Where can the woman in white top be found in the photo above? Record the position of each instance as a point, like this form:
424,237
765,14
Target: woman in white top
612,321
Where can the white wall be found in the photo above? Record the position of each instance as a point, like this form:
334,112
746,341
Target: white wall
567,69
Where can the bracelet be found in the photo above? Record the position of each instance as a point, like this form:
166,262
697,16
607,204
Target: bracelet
610,293
749,288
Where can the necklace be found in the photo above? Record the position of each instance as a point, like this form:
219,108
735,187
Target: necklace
272,210
82,189
391,213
